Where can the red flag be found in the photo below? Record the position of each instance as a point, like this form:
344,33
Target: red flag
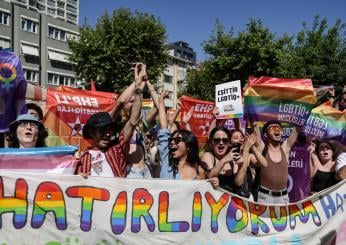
67,111
201,116
92,85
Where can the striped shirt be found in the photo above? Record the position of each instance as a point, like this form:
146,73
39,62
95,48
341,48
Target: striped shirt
115,156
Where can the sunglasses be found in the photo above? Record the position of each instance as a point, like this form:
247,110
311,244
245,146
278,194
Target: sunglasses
219,140
275,127
176,140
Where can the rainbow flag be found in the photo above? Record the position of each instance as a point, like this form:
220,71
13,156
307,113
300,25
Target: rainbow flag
326,122
286,100
58,160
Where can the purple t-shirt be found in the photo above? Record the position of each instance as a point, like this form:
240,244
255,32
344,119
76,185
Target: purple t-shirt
12,89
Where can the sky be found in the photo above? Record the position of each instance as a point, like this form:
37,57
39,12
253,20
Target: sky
193,21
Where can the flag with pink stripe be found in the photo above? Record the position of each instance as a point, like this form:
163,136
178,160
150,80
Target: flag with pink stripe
41,159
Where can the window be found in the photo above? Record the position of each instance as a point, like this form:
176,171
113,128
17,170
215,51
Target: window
31,76
61,13
61,4
29,25
4,43
4,18
168,79
56,33
56,79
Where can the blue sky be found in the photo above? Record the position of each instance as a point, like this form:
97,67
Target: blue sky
193,21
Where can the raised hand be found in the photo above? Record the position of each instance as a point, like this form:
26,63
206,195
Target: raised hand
187,116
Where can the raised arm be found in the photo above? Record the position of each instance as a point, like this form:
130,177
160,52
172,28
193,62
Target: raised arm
162,110
256,157
231,156
314,161
291,140
139,73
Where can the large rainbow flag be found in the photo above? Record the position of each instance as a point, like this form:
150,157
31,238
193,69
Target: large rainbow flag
39,160
326,122
286,100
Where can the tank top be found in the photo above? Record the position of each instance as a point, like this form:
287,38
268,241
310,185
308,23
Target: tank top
275,175
227,182
323,180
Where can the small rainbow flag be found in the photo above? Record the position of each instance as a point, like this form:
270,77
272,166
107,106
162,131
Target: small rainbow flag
326,122
58,160
286,100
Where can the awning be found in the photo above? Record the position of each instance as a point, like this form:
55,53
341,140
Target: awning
29,50
58,56
35,93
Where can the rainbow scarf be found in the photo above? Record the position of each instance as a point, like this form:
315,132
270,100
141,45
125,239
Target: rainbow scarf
286,100
326,122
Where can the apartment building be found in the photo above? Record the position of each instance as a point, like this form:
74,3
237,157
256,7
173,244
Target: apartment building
181,58
38,30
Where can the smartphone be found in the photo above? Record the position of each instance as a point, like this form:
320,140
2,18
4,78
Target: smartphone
237,146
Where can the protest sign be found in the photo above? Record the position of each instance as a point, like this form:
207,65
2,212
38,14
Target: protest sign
201,113
299,181
326,122
12,89
228,100
39,159
67,111
54,209
286,100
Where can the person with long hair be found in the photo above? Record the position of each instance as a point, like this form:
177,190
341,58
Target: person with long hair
26,132
179,157
229,163
323,165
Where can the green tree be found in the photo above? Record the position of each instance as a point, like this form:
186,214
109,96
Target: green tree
319,53
254,52
106,53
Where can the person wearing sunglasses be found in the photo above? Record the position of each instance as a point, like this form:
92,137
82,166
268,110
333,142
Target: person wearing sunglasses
179,157
26,132
107,155
228,162
272,180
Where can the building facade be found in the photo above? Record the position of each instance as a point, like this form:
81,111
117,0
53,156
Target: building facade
38,31
181,58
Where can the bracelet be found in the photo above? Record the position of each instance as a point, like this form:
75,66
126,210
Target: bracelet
139,91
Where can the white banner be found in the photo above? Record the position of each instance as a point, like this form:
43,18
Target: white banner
228,100
55,209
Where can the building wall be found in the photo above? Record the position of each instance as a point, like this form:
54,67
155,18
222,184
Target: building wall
41,52
173,78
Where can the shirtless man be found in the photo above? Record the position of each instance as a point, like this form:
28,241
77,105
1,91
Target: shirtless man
273,178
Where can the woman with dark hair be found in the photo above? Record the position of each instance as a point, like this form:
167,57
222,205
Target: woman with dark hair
26,132
229,163
322,165
179,157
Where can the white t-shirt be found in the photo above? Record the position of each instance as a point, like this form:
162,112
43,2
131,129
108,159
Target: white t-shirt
340,161
99,164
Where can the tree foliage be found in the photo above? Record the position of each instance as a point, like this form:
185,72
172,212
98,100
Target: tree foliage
106,53
317,53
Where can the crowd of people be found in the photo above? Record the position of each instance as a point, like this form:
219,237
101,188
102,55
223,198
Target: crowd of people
125,145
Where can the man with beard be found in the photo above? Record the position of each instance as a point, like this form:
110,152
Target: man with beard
273,179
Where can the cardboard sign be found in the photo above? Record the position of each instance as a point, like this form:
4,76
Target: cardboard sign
228,100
